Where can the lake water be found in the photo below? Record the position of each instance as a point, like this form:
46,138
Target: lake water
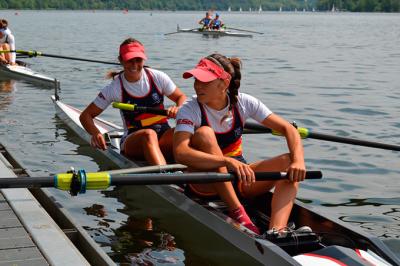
334,73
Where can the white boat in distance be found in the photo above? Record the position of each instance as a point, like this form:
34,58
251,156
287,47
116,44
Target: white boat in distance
214,33
25,73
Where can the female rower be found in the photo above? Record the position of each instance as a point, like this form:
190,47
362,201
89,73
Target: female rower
216,23
205,21
7,43
208,136
146,136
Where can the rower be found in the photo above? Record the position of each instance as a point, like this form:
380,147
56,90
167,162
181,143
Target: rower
208,137
205,21
7,43
216,23
146,136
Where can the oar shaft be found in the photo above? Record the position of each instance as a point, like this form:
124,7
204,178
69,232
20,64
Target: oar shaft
359,142
196,178
36,53
103,180
27,182
255,128
245,30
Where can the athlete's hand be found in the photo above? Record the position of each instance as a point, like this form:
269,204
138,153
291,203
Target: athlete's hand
98,141
242,170
172,111
296,171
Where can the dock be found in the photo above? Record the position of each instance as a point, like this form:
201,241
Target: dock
29,235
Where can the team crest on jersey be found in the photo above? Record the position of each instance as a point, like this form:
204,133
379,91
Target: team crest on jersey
238,132
101,96
156,98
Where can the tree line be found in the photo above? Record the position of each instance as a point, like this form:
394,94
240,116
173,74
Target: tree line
234,5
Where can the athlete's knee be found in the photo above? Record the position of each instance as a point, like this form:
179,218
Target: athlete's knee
284,160
203,137
149,136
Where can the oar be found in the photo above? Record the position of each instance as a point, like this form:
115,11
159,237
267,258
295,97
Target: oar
36,53
181,31
80,181
255,128
141,109
245,30
169,33
149,169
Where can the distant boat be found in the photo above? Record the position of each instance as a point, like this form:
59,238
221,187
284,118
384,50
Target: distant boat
313,10
260,9
229,9
249,9
240,9
280,9
333,8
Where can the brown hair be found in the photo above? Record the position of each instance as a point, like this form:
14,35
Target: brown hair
3,23
232,66
112,74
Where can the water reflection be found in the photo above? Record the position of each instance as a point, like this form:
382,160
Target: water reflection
134,241
7,86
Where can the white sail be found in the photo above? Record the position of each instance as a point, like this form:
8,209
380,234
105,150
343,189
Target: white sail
229,9
260,9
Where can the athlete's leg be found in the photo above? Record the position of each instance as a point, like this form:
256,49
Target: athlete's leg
143,144
284,193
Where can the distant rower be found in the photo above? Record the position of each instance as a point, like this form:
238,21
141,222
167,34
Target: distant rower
216,23
7,43
206,21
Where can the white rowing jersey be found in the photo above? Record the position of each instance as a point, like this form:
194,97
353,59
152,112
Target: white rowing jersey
8,37
113,91
189,115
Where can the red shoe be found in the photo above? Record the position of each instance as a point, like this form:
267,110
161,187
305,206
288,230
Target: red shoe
241,216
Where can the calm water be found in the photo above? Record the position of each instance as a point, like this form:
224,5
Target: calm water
334,73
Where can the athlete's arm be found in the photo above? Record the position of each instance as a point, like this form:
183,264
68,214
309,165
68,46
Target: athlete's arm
87,122
179,98
297,169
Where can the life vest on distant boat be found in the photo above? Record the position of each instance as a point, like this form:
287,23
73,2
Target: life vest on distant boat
154,98
206,21
217,23
230,141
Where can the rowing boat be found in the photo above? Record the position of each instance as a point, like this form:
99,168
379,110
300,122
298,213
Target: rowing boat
214,33
25,73
329,232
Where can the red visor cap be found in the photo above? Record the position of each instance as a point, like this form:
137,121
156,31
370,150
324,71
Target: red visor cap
207,71
132,50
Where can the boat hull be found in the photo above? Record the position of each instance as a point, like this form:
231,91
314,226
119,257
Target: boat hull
216,33
25,73
212,215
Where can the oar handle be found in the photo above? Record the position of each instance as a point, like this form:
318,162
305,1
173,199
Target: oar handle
141,109
260,176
